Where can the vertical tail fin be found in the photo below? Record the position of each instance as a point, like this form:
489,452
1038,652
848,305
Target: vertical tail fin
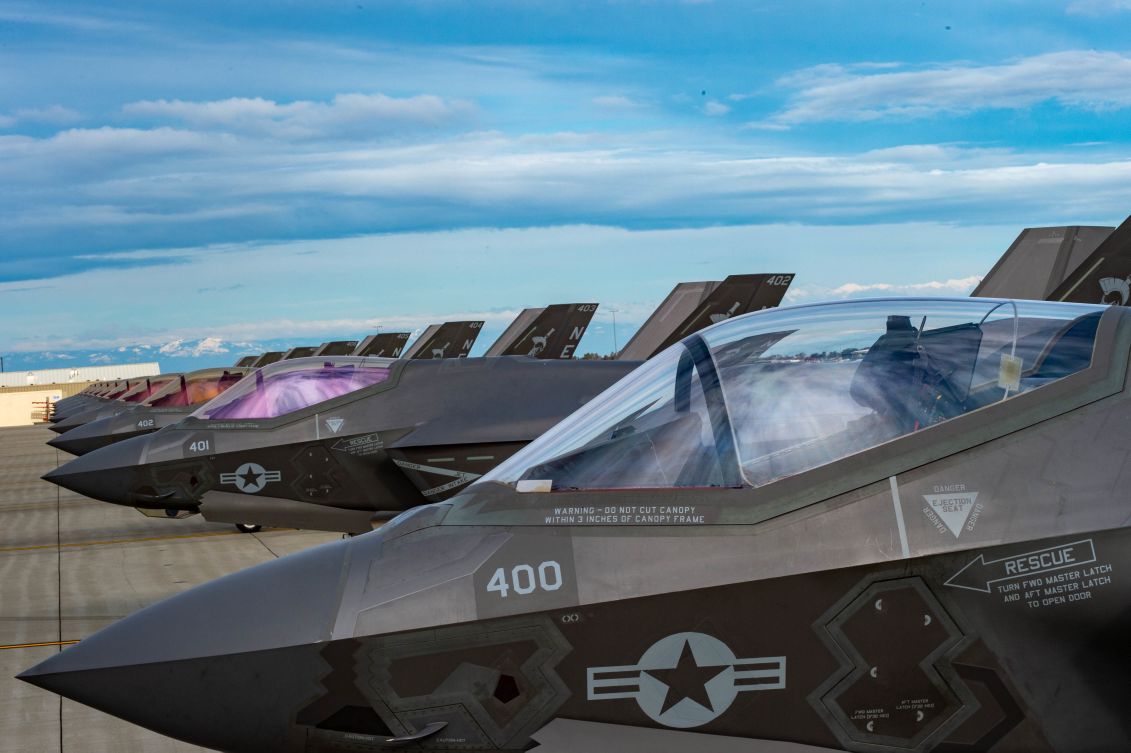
1105,275
554,332
386,345
1039,260
737,294
336,348
448,340
514,331
302,351
246,361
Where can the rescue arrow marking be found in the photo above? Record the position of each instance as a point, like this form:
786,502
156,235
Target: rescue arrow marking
981,571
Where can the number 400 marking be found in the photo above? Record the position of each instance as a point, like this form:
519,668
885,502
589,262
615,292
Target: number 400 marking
523,581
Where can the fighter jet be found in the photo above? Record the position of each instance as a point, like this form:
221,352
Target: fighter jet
175,400
885,525
100,395
114,422
341,444
136,393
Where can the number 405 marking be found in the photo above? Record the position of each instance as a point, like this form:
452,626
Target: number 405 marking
523,580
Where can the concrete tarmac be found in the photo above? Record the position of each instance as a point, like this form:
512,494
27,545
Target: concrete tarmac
70,565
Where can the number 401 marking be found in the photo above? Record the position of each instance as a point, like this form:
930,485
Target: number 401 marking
523,581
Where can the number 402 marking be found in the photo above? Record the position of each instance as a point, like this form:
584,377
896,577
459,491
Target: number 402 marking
523,581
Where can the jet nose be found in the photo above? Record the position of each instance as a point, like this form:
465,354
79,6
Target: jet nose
105,474
85,438
224,665
73,421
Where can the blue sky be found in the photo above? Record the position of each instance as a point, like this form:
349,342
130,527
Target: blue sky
188,181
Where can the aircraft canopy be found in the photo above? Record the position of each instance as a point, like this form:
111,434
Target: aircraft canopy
775,393
284,387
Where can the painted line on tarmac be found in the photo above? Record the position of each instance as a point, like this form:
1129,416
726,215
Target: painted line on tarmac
38,645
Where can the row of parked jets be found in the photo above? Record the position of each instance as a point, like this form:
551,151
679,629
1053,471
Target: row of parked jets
871,525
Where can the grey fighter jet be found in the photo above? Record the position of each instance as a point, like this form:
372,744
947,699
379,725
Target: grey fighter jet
868,526
339,444
137,393
117,421
101,395
168,405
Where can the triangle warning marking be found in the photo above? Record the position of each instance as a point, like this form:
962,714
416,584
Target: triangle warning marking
953,509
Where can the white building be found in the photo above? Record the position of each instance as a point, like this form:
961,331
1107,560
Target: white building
79,374
23,393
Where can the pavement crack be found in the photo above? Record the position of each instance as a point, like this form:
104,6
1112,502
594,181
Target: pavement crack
264,543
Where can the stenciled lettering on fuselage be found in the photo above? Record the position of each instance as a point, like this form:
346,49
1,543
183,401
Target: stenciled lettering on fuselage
953,508
686,680
250,478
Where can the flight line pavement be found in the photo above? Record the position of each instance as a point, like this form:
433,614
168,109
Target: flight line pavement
70,565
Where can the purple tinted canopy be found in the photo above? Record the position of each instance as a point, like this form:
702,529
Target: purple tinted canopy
287,386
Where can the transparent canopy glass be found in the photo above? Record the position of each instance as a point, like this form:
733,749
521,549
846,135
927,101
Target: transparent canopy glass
195,387
146,387
772,394
288,386
117,390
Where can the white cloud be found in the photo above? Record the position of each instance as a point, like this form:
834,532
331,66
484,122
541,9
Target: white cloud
209,345
1098,7
53,115
1083,79
617,102
168,348
961,285
715,109
356,114
137,184
182,347
34,14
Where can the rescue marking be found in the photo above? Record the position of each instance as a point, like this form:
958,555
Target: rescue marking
981,573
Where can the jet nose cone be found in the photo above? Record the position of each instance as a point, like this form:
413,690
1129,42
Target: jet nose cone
103,474
74,420
85,438
225,665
